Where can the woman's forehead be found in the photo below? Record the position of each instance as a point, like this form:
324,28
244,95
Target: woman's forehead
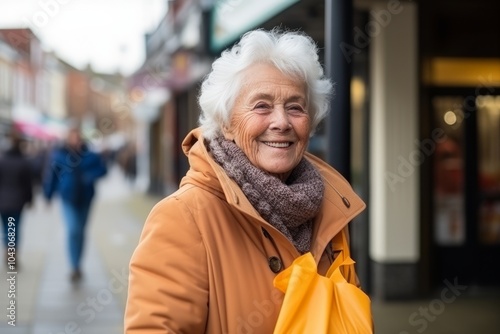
267,79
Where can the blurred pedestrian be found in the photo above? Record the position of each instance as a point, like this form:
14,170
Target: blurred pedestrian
252,201
16,191
128,161
72,171
38,161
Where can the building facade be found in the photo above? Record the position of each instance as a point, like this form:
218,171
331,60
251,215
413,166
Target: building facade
41,95
164,91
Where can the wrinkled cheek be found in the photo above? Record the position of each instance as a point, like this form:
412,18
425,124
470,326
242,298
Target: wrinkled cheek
303,150
305,130
243,138
249,146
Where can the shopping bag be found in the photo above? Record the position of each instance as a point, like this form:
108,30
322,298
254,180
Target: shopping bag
315,304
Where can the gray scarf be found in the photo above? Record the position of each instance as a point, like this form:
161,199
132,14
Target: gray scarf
290,207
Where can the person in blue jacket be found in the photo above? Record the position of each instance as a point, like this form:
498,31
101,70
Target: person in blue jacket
72,171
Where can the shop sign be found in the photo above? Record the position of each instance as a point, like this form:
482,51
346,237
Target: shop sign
232,18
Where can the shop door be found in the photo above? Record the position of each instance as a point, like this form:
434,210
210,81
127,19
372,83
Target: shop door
465,187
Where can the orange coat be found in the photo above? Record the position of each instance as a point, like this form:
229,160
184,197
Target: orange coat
203,261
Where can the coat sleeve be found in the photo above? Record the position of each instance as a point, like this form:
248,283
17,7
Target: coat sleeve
168,282
97,168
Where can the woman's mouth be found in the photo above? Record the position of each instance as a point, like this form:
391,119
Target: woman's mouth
278,144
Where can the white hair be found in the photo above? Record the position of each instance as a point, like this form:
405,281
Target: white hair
293,53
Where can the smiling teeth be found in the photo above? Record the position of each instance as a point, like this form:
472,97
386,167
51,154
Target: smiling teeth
279,145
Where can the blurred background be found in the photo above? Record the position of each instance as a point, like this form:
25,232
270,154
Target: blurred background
415,127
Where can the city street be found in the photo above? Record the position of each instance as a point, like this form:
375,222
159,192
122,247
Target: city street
47,303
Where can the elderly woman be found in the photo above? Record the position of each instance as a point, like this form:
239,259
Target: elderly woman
252,202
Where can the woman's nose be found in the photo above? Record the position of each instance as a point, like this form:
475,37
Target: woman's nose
279,119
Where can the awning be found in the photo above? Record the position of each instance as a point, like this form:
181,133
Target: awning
37,131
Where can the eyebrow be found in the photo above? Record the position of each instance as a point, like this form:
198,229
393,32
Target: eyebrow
266,96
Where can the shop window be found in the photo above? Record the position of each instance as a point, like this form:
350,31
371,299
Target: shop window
488,113
448,188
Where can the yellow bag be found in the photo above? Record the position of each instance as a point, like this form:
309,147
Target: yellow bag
315,304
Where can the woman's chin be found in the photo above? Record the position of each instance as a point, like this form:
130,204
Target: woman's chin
281,172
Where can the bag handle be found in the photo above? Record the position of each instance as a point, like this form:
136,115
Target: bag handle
339,243
343,259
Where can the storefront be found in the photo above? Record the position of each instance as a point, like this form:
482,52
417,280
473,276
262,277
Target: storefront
460,98
434,165
167,83
465,170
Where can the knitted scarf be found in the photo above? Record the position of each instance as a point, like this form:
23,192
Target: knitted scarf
290,207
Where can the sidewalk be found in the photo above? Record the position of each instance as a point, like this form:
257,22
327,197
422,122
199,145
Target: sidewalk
463,315
46,301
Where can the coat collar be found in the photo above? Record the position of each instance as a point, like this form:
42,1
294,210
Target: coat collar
340,203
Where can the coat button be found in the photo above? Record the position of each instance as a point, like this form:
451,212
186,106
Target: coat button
275,264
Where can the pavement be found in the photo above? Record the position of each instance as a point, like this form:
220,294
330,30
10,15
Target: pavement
47,303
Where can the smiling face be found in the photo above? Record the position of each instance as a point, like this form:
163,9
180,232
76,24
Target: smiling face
270,120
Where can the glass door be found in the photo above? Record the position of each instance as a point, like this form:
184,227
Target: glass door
465,187
448,172
488,112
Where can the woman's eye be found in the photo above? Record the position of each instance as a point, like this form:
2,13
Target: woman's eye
262,106
295,107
